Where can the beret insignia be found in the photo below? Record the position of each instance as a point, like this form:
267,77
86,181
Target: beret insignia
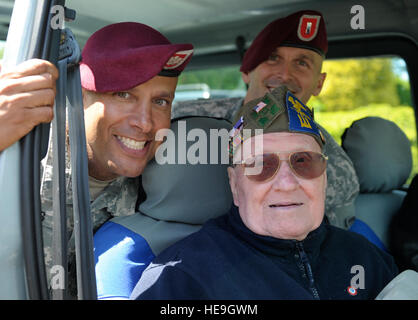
177,59
308,27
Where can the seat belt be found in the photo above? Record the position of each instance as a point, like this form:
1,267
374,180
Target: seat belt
70,87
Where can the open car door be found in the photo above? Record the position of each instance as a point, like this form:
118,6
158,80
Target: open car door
36,32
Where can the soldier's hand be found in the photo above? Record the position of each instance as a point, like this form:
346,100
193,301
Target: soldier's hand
27,94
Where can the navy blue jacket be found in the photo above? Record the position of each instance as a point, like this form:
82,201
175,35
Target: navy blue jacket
226,260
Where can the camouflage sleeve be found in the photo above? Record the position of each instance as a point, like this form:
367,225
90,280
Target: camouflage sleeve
47,209
46,194
343,185
218,108
119,199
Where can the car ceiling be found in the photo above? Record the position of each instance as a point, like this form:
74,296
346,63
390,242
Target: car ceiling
213,25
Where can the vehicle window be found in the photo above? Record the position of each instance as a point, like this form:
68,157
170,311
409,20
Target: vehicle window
210,84
354,89
357,88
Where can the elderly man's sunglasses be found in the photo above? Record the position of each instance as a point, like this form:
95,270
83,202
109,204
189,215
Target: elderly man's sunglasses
305,164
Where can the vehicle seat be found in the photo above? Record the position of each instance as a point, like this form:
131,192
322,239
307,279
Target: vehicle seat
382,158
179,199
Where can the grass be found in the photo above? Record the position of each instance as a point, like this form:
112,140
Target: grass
335,122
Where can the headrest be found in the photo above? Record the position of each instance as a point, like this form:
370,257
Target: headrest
381,154
185,192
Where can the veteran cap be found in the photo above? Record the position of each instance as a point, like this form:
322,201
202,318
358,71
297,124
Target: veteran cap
278,111
302,29
123,55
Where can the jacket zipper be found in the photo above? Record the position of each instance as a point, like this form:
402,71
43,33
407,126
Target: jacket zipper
307,269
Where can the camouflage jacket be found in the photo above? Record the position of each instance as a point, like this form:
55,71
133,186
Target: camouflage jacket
343,185
117,199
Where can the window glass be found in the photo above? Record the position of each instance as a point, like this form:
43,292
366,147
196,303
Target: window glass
354,89
210,84
357,88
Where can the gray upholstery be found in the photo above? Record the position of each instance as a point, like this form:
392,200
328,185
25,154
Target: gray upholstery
188,193
377,210
381,155
402,287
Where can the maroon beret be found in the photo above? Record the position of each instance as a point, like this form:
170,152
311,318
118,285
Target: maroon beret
303,29
123,55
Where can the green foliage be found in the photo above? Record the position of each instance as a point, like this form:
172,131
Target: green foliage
404,92
353,83
354,89
336,122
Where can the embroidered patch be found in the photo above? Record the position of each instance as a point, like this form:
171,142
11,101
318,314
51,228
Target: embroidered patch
237,127
267,111
177,59
300,118
259,106
308,27
235,136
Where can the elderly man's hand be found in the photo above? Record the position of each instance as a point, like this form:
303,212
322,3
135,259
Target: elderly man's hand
27,94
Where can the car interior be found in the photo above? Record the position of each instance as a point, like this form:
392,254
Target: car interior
220,31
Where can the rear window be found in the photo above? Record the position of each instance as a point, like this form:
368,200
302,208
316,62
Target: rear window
354,89
210,84
358,88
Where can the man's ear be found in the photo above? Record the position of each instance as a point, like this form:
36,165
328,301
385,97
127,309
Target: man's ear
246,77
88,97
232,175
84,95
320,83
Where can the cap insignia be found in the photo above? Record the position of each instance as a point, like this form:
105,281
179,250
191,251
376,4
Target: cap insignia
300,118
308,27
177,59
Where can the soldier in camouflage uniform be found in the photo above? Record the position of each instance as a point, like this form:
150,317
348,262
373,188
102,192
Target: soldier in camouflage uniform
290,51
118,198
128,73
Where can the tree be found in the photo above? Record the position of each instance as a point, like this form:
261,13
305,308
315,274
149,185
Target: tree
354,83
404,92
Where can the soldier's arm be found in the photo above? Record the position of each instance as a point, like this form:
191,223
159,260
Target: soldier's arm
342,184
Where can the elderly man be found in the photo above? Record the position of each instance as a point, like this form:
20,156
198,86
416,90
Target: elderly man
129,73
274,242
289,51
